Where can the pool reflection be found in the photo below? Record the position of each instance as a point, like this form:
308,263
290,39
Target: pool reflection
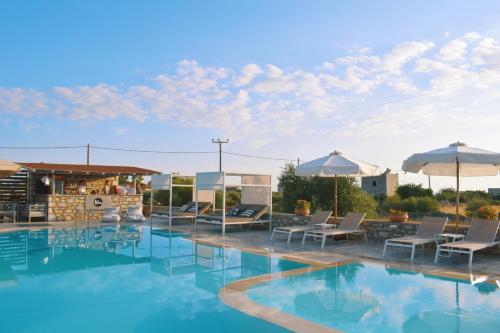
373,298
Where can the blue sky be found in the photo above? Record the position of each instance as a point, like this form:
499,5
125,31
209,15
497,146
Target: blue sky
378,80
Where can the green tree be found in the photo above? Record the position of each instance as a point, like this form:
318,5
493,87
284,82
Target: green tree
446,194
467,196
413,190
319,191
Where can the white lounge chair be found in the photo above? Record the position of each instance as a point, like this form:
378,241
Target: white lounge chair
481,235
134,214
321,217
111,214
188,210
426,233
348,226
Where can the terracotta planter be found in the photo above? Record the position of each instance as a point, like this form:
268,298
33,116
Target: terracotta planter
398,217
302,211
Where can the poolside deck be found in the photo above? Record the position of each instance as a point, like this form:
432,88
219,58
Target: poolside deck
334,251
340,250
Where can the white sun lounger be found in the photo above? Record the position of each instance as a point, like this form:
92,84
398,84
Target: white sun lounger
481,235
321,217
426,233
349,225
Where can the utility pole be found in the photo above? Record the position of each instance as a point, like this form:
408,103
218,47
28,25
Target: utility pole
220,143
298,161
88,153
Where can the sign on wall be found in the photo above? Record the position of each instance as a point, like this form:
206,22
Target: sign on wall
96,203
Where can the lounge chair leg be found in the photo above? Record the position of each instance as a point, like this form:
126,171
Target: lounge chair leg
412,252
366,237
272,234
385,246
289,238
437,254
304,239
323,241
471,255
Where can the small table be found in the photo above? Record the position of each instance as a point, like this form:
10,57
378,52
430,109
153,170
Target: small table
447,237
325,226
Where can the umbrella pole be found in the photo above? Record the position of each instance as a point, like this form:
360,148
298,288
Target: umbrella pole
457,204
335,197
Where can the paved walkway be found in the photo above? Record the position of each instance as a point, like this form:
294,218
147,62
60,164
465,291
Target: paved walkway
334,251
338,250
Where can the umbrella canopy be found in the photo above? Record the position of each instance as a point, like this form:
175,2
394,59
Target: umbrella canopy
458,160
336,164
8,168
333,165
473,162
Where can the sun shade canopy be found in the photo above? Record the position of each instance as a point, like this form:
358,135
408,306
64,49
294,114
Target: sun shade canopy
87,169
474,162
336,164
8,168
255,189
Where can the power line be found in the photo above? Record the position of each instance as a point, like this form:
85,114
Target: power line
147,151
152,151
40,147
261,157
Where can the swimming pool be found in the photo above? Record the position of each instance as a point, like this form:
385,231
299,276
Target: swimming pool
126,279
366,297
134,279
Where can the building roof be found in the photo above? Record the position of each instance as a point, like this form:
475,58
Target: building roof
88,169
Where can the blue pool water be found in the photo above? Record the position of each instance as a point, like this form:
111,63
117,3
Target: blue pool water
373,298
122,280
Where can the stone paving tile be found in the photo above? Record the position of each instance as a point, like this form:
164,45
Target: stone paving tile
484,263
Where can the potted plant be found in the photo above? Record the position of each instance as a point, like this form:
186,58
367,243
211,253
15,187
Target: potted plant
302,207
397,215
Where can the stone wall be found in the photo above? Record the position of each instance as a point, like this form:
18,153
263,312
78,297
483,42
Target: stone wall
72,207
377,230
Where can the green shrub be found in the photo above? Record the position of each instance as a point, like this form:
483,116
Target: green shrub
277,202
424,205
393,202
427,205
409,204
447,194
487,212
413,190
467,196
473,206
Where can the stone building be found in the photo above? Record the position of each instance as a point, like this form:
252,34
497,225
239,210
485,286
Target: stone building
386,183
494,192
70,192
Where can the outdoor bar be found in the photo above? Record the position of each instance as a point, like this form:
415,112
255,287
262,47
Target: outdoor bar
68,192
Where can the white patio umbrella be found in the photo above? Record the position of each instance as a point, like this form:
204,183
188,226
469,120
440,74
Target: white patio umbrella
8,168
333,165
458,160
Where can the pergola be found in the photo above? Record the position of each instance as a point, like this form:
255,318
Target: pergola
255,190
167,182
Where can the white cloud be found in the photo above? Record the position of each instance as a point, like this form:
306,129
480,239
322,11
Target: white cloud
454,50
404,52
248,73
264,103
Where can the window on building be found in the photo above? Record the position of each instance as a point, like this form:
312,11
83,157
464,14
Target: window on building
374,183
